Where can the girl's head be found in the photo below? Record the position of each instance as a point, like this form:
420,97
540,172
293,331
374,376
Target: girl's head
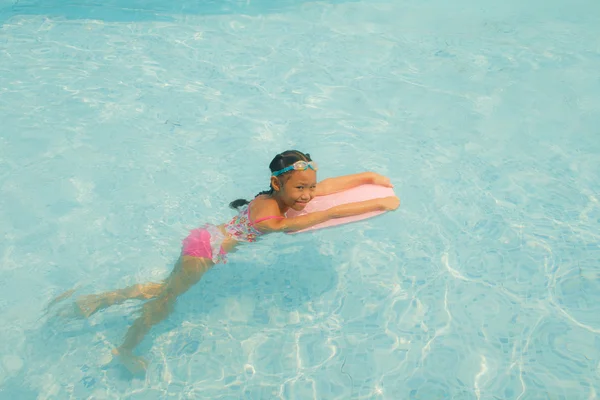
293,180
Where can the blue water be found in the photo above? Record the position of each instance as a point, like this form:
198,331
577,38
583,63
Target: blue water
126,123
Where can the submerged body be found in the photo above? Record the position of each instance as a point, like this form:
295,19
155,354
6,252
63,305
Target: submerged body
209,244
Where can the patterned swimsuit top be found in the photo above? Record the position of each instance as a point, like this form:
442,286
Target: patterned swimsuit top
242,229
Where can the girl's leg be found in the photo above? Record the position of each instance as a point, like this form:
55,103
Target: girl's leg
187,272
91,304
85,306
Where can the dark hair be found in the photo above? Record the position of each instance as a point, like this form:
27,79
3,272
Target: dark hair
280,161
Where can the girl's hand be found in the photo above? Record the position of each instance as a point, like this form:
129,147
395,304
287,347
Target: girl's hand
389,203
381,180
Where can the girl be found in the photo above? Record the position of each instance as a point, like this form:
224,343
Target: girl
293,185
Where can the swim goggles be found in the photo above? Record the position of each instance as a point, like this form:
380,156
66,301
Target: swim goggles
298,166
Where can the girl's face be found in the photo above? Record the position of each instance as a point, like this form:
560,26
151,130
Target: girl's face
299,187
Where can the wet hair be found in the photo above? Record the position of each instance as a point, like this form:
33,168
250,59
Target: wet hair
278,163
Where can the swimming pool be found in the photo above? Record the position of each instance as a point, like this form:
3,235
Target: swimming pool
128,123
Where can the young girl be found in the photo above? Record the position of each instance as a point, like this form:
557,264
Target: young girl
293,185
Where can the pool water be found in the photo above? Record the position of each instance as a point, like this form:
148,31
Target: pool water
124,124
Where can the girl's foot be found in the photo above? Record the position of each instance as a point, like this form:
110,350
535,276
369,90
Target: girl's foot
135,364
91,304
61,297
65,311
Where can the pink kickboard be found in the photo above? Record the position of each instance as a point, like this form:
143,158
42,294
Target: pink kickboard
360,193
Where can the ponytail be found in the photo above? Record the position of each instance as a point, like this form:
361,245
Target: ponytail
236,204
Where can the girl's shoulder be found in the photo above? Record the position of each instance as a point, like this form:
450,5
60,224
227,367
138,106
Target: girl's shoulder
263,206
264,201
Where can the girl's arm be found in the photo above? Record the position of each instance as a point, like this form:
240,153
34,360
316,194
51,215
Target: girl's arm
315,218
341,183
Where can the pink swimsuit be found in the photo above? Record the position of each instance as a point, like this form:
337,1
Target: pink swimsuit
207,240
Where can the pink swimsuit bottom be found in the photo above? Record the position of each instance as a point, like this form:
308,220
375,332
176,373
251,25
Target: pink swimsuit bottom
198,244
207,240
